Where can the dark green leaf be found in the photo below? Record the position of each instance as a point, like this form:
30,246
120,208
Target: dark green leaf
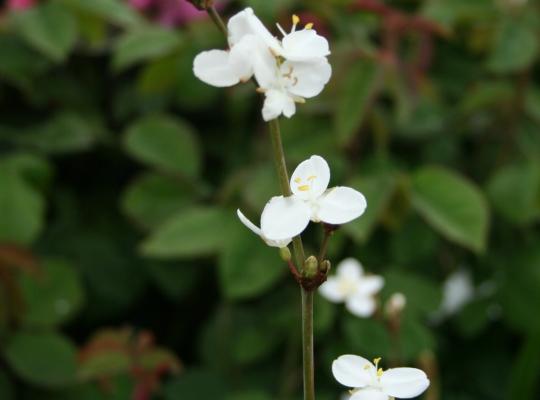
164,142
452,205
44,359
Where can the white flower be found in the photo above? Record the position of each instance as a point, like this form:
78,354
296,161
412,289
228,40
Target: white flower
351,286
287,71
372,383
286,217
458,290
255,229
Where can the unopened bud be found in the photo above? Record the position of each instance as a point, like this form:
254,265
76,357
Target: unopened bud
310,267
285,254
325,267
396,303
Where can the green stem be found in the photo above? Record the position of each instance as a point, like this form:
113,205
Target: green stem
307,296
283,175
217,20
307,344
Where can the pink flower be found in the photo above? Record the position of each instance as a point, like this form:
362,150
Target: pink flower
20,4
141,4
170,12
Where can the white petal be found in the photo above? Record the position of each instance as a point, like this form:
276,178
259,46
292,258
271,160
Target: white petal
304,45
353,371
404,383
275,103
361,305
369,394
213,67
251,56
369,285
250,225
290,107
307,78
340,205
284,217
310,179
246,22
350,269
331,290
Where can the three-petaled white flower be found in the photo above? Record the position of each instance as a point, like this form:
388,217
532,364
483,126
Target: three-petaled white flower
351,286
369,382
287,71
287,217
255,229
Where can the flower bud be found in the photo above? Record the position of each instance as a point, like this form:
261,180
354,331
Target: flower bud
310,267
396,303
325,267
285,254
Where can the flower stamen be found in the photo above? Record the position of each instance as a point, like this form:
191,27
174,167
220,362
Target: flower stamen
309,26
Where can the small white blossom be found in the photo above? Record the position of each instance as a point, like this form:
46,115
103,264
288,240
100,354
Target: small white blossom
352,287
287,71
458,290
255,229
369,382
286,217
396,303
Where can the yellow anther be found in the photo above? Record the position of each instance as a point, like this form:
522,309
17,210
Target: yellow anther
377,360
295,19
303,188
311,178
379,372
298,180
309,26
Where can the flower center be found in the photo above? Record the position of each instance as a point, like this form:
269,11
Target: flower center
304,187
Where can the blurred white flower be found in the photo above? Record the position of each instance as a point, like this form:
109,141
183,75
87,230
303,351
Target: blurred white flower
369,382
255,229
458,290
352,287
286,217
396,303
287,71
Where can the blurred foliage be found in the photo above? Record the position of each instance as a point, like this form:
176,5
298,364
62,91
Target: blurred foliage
120,174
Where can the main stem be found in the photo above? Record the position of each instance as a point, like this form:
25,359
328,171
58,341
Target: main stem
307,296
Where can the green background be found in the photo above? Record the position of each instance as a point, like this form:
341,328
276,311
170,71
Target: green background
123,268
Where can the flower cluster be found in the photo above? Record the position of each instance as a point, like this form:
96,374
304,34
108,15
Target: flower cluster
20,4
286,217
288,71
369,382
351,286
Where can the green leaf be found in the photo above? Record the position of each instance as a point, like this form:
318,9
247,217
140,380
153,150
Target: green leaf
44,359
452,205
49,28
378,189
22,209
34,169
143,44
514,191
358,88
367,337
66,132
166,143
114,11
248,267
516,46
193,232
151,199
52,297
423,295
251,395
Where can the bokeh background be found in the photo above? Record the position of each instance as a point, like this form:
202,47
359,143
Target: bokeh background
124,273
